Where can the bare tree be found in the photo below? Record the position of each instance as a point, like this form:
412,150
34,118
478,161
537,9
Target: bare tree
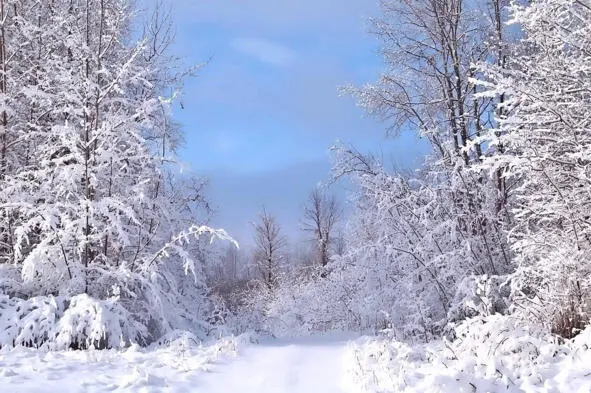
321,214
269,242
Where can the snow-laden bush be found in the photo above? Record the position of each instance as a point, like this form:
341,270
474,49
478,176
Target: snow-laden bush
60,323
10,280
298,305
363,297
480,295
414,252
178,338
348,298
490,354
31,322
95,323
307,302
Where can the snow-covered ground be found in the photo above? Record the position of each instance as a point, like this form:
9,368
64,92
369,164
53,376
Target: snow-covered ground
175,368
232,365
304,365
493,354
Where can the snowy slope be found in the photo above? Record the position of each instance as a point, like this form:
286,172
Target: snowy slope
310,365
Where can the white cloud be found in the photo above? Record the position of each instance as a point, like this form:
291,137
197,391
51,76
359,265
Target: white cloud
265,51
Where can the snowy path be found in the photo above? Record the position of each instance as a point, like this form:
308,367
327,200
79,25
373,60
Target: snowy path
313,365
307,366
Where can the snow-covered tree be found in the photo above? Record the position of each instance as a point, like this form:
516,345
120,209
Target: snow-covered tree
90,203
423,234
543,146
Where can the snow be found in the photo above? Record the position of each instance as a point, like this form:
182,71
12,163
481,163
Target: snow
492,354
303,365
176,367
230,365
496,354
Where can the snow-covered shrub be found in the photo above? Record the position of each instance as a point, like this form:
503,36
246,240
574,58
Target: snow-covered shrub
308,301
10,280
480,295
29,323
411,262
81,322
61,323
490,354
570,320
519,344
302,307
300,304
88,322
177,338
251,312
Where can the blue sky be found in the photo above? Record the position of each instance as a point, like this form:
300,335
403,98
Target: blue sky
261,117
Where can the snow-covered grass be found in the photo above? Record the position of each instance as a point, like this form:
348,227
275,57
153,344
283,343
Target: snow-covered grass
490,354
174,366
